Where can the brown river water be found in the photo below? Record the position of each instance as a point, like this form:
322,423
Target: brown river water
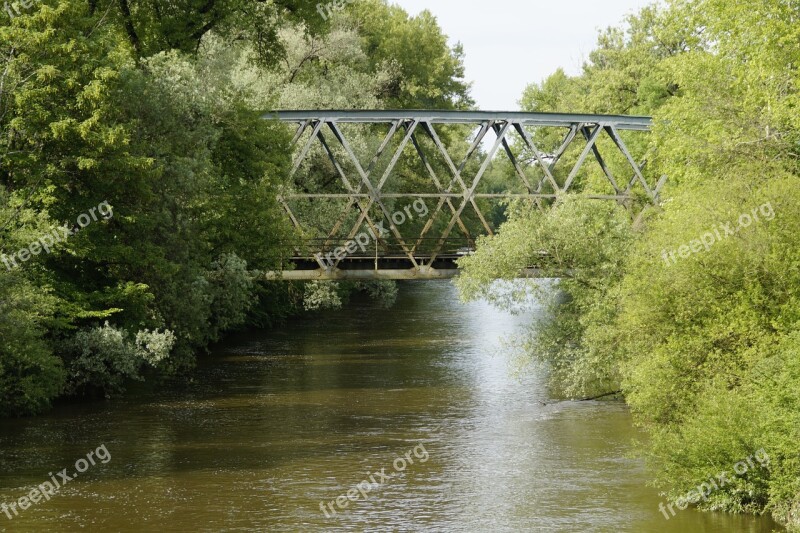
415,412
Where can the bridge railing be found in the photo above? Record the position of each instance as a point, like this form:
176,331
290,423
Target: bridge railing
383,248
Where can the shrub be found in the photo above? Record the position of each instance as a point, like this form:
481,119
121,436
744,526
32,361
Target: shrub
105,357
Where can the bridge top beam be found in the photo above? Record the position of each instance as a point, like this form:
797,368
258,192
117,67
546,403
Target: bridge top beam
620,122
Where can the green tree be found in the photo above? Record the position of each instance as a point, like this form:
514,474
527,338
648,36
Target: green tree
154,110
703,342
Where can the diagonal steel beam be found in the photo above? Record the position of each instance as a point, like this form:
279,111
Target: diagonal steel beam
518,168
603,166
300,131
548,172
353,194
559,153
614,134
586,151
410,129
304,152
375,193
514,163
485,128
381,149
568,138
368,183
442,198
440,146
634,179
661,182
471,192
456,174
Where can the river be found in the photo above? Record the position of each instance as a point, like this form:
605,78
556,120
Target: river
417,411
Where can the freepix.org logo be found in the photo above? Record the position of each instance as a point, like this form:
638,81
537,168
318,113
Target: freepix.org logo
25,4
719,233
363,239
371,482
327,10
46,242
715,483
50,488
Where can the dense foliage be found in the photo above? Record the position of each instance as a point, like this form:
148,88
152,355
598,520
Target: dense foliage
138,186
149,114
701,339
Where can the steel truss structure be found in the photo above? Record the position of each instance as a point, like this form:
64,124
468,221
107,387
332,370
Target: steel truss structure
364,191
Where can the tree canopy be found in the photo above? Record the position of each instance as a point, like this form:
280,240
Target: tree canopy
154,109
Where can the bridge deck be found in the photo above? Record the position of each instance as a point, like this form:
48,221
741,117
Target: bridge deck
421,273
388,267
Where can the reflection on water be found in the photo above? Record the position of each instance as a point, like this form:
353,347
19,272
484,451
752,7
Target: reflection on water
280,424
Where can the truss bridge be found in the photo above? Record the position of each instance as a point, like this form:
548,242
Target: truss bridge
405,194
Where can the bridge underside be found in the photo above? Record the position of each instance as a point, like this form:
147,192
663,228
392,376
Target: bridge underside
394,268
378,195
384,268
